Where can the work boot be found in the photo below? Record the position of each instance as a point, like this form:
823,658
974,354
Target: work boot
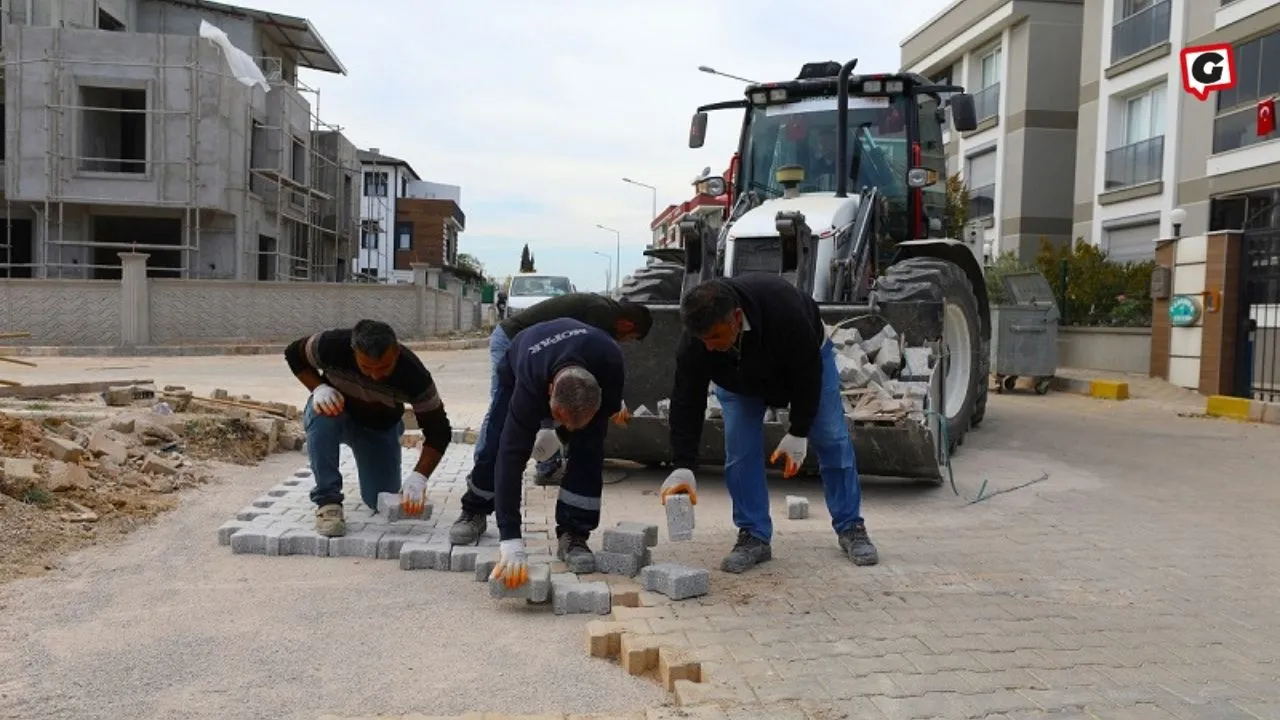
329,522
576,554
857,545
549,472
748,552
468,528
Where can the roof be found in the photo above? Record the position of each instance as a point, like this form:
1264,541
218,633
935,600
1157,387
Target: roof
289,32
368,157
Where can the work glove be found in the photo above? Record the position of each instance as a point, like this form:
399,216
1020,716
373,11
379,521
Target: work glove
326,400
791,450
621,417
546,444
513,564
413,494
680,482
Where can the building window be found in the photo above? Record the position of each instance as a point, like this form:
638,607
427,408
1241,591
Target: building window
369,235
113,130
1137,143
1140,24
1132,243
404,186
1257,77
980,176
299,160
1255,210
986,101
404,236
375,184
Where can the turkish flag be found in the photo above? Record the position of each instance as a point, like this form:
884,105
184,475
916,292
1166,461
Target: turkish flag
1266,117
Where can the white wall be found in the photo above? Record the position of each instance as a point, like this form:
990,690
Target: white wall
425,190
382,210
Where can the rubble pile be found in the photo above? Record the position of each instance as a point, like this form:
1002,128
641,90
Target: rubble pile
882,381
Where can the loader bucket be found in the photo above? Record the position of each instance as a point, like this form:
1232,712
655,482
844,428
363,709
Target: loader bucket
903,450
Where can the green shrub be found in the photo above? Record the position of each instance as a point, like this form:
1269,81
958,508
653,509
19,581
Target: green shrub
1098,291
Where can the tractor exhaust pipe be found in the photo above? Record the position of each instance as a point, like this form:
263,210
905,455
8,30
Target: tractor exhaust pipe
842,128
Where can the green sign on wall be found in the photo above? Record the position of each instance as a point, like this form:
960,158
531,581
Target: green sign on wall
1184,310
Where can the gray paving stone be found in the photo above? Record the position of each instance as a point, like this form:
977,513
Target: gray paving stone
462,558
279,492
676,581
302,473
537,589
621,540
797,507
390,543
389,507
486,559
361,543
418,555
264,501
580,598
249,541
273,535
296,541
679,518
251,512
292,482
229,528
611,563
649,531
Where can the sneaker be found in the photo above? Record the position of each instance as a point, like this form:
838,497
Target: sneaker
748,552
857,545
329,521
468,529
576,554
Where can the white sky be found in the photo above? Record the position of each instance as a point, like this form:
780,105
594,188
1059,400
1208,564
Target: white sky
539,109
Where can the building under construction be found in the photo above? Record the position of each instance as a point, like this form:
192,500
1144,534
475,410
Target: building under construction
128,131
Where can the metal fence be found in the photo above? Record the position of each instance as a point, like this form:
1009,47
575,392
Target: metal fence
1141,30
1258,361
1135,164
986,102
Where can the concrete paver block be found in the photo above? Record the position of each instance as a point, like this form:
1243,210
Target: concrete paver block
797,507
249,541
620,540
229,528
674,665
252,512
625,564
389,507
676,581
679,518
537,589
580,597
295,541
603,639
361,543
390,543
486,560
581,563
649,531
462,558
433,555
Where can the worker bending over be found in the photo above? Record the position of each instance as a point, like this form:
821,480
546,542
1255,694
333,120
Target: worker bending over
623,321
571,373
763,344
360,380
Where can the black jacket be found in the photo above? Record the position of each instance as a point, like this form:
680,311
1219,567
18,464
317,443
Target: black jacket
594,310
778,359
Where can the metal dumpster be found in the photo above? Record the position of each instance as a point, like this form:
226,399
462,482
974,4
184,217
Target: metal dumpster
1025,341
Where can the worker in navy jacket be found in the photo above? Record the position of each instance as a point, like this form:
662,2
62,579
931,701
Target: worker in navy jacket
572,373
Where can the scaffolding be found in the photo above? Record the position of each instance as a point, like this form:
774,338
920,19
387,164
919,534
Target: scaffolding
298,204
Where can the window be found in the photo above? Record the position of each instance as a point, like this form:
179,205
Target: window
1253,210
113,130
986,101
981,179
257,156
404,236
299,158
1137,144
934,157
375,184
1132,243
369,235
404,186
1257,77
1140,24
107,21
989,69
451,245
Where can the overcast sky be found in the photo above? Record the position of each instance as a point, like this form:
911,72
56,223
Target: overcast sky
539,109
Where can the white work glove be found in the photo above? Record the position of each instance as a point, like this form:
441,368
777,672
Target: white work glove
680,482
513,564
546,445
791,450
326,400
413,494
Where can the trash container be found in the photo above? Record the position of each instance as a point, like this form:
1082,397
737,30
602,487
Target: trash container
1025,341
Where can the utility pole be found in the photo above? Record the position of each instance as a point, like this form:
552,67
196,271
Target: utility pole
617,236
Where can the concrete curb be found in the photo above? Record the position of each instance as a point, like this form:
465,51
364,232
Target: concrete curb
1101,389
208,350
1243,409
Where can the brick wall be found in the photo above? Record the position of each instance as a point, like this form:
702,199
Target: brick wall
427,219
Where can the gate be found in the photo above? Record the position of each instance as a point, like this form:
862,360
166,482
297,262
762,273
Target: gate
1258,337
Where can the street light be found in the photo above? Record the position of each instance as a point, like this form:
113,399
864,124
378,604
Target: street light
617,236
713,71
607,269
653,206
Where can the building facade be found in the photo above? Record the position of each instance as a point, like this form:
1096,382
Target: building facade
1018,164
385,180
126,130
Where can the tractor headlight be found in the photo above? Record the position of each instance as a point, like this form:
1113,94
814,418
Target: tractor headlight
778,95
760,97
893,86
872,87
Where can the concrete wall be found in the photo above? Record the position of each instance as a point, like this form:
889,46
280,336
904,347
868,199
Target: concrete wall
1119,349
61,312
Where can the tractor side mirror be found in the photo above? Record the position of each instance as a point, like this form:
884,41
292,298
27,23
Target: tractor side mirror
963,115
698,130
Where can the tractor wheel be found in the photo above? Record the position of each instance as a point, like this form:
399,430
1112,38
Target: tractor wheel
965,361
660,283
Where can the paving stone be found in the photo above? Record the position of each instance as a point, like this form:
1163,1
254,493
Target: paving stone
361,543
797,507
486,560
629,542
249,541
252,512
265,501
390,543
296,541
581,564
229,528
462,558
679,518
390,508
581,598
417,555
302,473
649,531
676,581
273,535
537,589
625,564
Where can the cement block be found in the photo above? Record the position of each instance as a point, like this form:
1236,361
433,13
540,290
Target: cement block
252,512
486,559
361,543
797,507
581,598
297,541
273,535
463,558
625,564
390,509
679,518
390,543
537,589
676,581
649,531
416,555
621,540
916,362
229,528
249,541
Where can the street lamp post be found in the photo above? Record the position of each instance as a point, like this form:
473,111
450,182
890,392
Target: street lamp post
713,71
607,268
653,207
617,236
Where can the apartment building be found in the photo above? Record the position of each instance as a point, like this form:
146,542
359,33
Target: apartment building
126,130
1019,162
666,227
429,219
385,180
1147,147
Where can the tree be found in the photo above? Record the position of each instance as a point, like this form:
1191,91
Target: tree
470,262
526,260
957,206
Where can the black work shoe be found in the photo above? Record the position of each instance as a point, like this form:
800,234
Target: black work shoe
748,552
575,553
857,545
468,528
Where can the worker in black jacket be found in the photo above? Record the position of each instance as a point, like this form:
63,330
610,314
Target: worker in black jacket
360,380
624,321
762,342
572,374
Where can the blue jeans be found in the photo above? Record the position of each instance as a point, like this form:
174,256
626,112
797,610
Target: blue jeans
498,344
377,454
829,440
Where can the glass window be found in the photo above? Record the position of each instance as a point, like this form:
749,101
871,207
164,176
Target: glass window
980,177
1258,72
934,155
990,69
1144,116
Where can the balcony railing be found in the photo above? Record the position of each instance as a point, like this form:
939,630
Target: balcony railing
982,201
1237,129
1141,30
1135,164
986,102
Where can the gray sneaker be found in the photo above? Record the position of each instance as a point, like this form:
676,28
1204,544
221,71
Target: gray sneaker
575,553
748,552
468,529
329,521
857,545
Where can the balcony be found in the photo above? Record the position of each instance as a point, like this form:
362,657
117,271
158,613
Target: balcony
986,102
1135,164
982,202
1141,30
1238,129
